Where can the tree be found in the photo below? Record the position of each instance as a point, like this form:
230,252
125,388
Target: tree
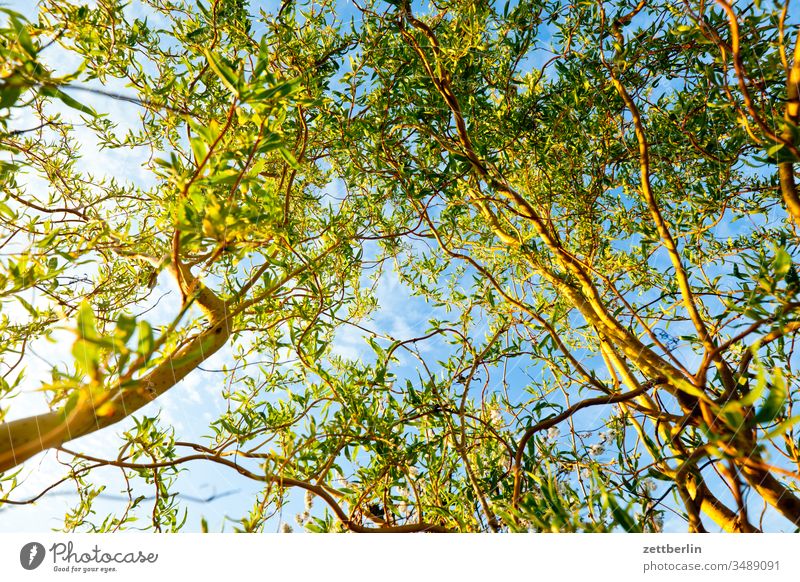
597,202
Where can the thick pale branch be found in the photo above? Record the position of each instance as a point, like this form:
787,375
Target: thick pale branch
23,438
792,118
773,492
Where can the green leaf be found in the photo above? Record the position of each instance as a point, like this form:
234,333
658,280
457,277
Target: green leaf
87,356
781,263
26,43
86,322
86,349
52,91
733,412
755,393
72,401
199,148
263,57
9,95
225,74
145,342
620,515
17,22
774,149
289,157
775,399
656,474
733,418
281,90
126,326
782,428
28,307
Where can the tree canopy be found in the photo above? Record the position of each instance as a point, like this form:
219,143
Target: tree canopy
593,205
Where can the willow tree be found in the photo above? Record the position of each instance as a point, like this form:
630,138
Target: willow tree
237,218
597,202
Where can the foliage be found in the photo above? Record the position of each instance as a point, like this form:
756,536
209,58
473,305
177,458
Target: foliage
595,201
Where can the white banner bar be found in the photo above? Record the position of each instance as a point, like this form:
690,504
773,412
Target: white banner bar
490,558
